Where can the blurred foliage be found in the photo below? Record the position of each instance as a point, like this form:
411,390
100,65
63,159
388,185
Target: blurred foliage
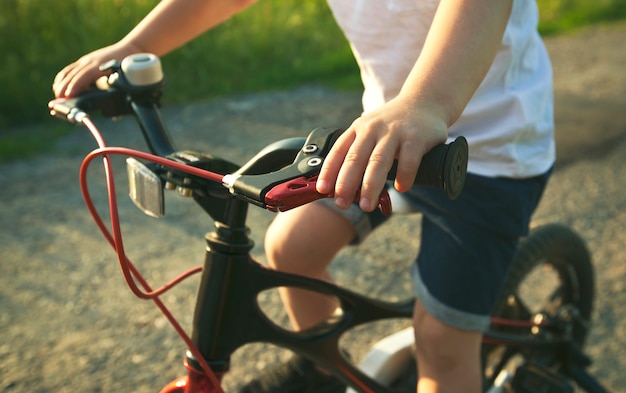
274,44
559,16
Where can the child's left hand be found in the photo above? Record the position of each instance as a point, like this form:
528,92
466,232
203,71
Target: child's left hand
362,156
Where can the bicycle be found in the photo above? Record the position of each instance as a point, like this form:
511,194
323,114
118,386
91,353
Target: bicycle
530,347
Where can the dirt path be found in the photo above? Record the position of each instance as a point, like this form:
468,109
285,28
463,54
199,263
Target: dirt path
68,323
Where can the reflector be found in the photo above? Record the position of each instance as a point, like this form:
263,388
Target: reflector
145,188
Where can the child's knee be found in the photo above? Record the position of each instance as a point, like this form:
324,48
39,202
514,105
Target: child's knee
306,238
441,345
279,248
290,239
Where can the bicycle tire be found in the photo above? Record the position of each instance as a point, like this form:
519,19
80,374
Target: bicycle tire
559,249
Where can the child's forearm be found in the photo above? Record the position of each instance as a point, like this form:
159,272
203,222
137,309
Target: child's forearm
173,23
459,50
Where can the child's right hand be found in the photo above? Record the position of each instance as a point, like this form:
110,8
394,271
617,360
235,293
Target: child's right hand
77,76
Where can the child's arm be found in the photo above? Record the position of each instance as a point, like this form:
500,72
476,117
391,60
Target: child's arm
463,40
171,24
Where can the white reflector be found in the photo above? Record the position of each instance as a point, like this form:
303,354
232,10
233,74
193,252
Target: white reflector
144,188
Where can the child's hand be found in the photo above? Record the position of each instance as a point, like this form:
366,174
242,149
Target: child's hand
77,76
363,155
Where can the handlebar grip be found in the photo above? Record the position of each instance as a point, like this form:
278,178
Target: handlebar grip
445,167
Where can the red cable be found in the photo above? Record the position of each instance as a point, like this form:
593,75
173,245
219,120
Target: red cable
515,322
130,272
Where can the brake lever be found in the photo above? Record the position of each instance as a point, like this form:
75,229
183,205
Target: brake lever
443,167
299,191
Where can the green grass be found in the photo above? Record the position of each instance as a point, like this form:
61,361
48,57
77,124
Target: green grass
22,142
275,44
269,46
559,16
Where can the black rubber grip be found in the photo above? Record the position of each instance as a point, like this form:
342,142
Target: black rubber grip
445,167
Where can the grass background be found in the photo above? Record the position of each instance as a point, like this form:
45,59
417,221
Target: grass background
274,44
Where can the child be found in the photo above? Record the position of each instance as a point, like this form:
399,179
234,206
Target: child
432,70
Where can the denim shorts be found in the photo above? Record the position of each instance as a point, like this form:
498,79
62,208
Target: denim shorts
467,244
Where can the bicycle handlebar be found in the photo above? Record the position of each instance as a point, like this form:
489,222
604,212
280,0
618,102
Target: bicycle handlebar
287,184
294,185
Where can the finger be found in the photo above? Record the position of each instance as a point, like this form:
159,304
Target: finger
81,79
67,80
332,163
61,80
68,69
350,176
409,158
375,176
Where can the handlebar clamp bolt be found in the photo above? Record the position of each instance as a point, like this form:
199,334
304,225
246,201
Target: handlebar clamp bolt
185,191
169,185
312,148
315,161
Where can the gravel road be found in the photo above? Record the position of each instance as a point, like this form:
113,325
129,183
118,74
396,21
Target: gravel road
68,323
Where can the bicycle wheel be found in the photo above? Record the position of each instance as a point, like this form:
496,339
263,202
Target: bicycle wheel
551,275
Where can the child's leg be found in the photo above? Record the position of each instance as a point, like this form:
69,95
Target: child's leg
448,358
304,241
466,248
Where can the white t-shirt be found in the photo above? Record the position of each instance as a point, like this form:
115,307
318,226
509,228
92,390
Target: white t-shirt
509,122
